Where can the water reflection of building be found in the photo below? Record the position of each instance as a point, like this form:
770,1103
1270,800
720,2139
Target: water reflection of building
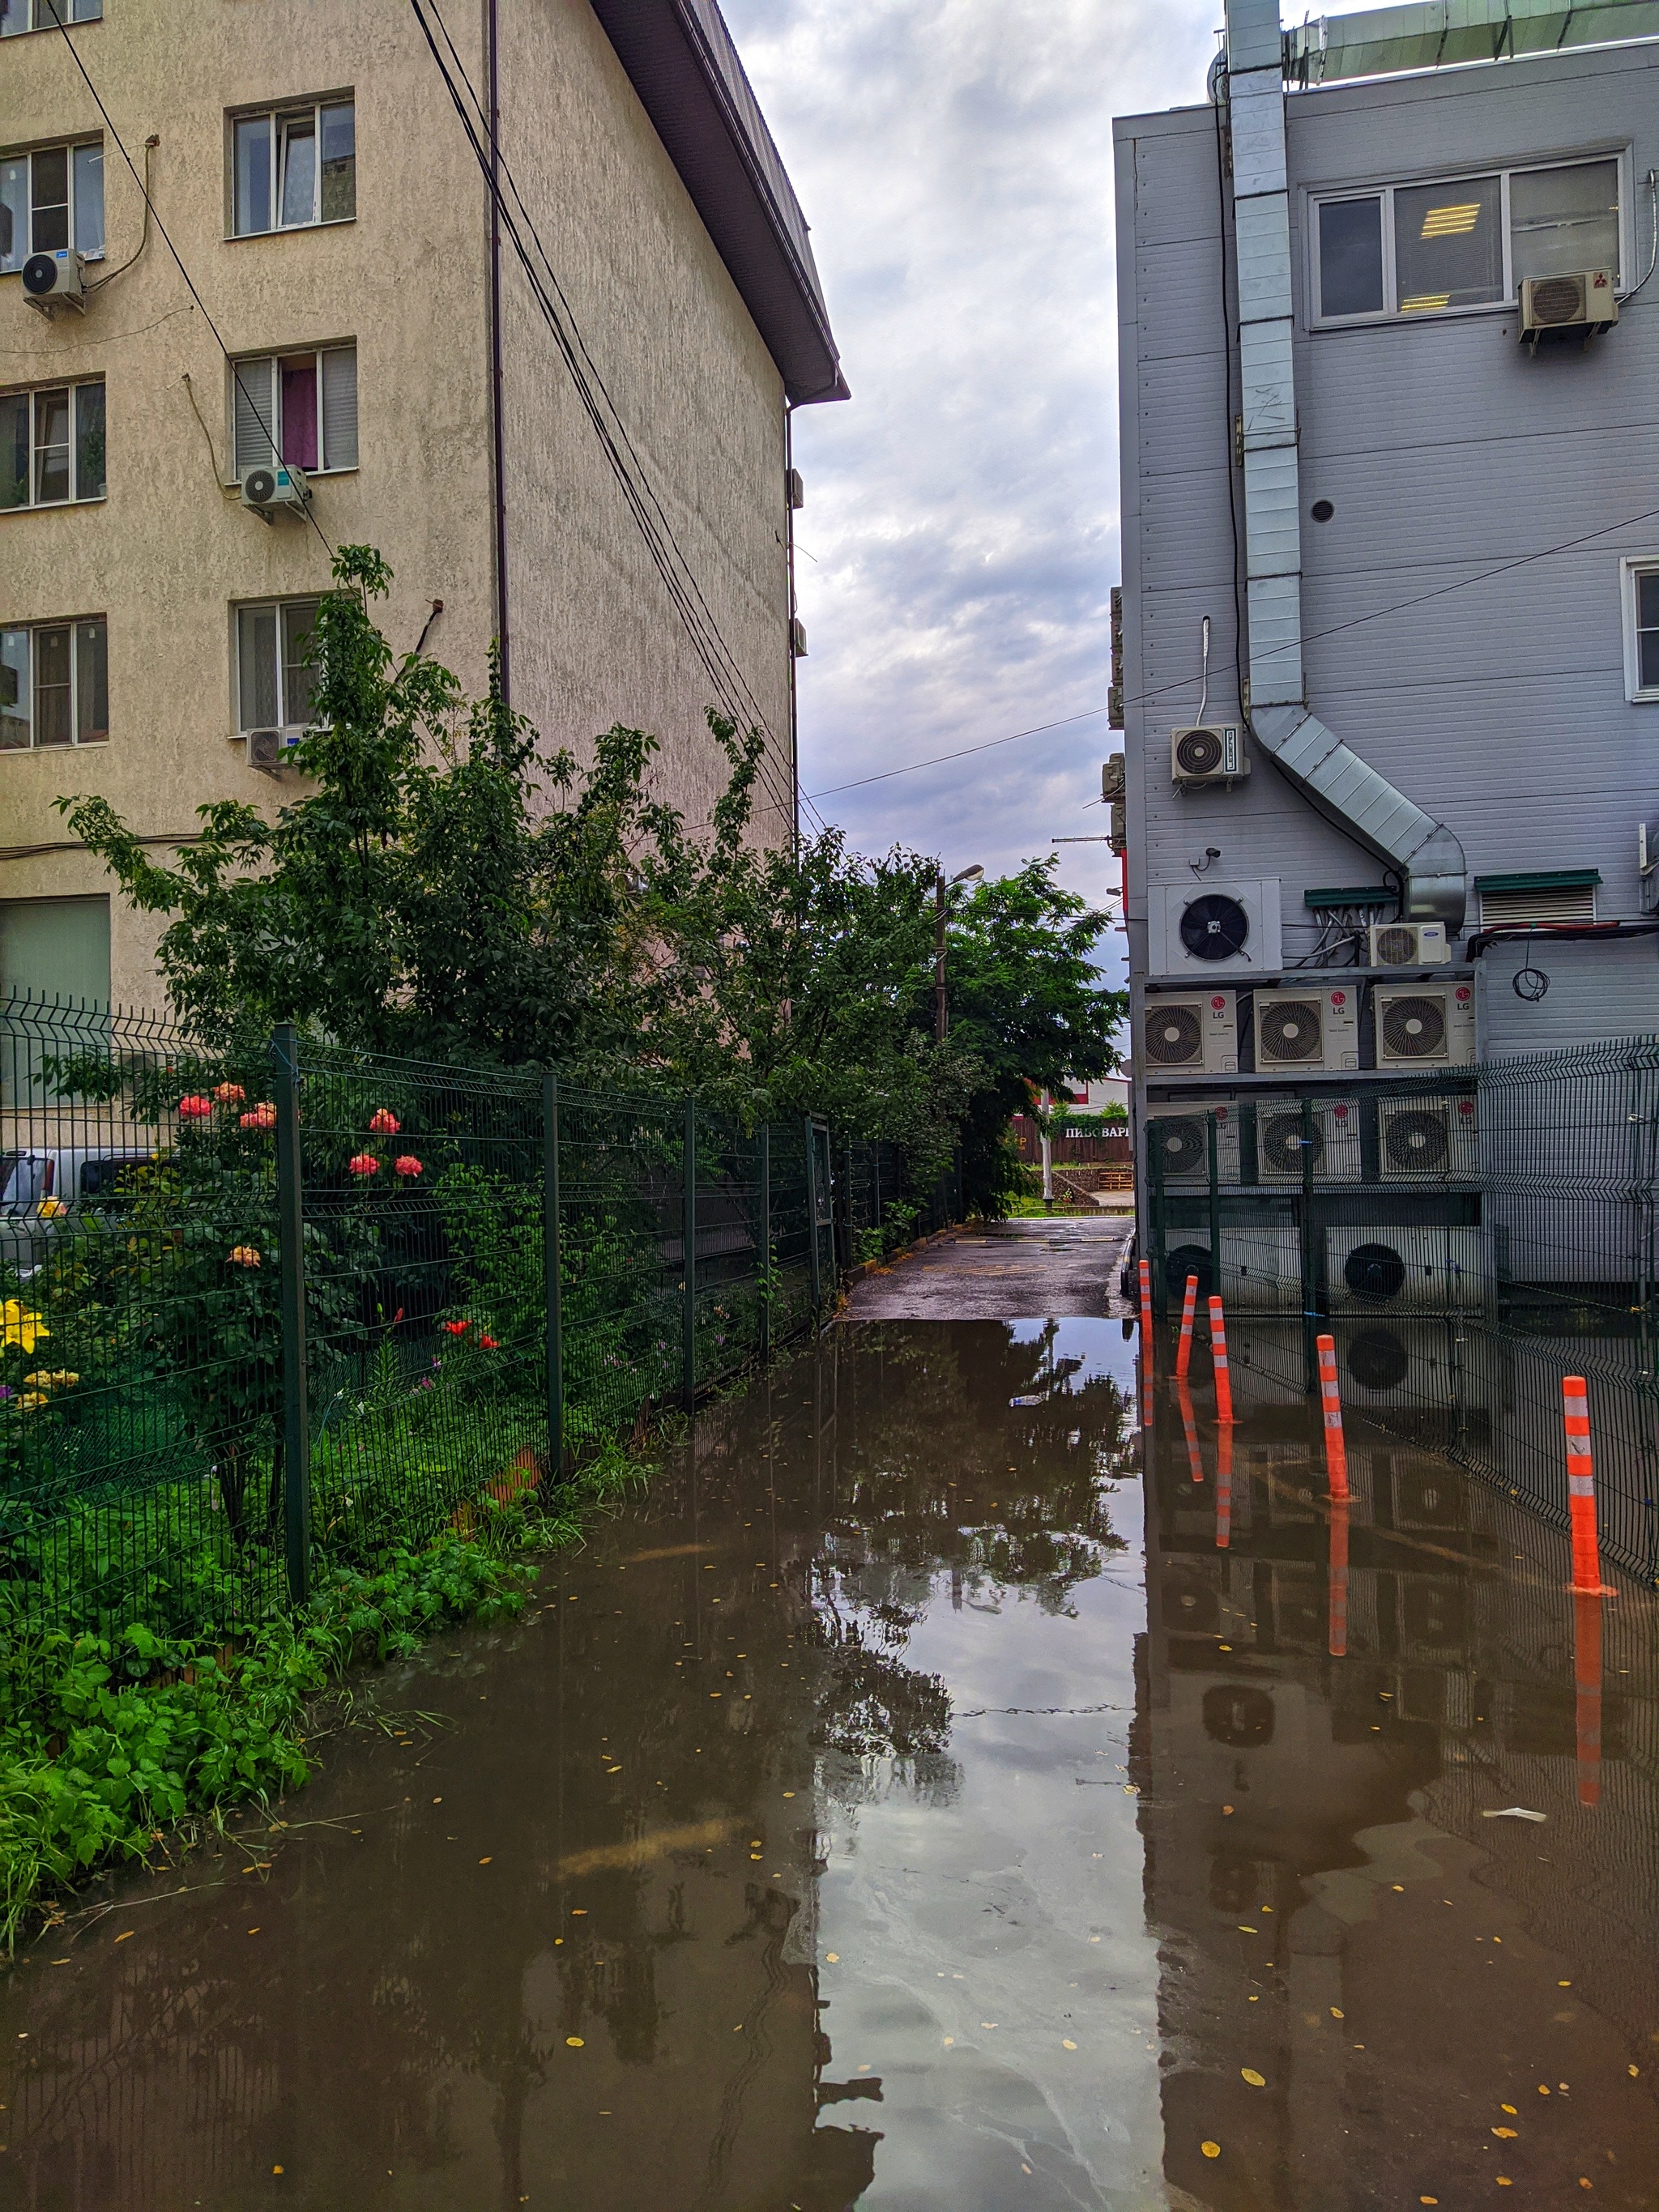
1292,1800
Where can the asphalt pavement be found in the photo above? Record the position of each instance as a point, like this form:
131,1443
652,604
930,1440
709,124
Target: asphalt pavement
1064,1266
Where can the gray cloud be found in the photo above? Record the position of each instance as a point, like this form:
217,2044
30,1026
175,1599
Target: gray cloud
955,160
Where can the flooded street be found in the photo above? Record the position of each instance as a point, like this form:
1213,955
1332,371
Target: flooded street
905,1803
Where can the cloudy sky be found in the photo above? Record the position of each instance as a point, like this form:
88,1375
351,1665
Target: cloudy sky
954,158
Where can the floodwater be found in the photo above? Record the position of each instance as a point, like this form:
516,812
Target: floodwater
897,1807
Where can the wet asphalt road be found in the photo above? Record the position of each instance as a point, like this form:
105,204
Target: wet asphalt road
1064,1266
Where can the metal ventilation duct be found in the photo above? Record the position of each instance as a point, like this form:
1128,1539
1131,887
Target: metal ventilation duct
1435,34
1341,786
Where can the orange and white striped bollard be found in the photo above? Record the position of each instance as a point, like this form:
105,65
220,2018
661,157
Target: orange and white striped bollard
1147,1342
1580,1489
1224,1380
1336,1451
1189,1423
1587,1685
1224,1487
1184,1349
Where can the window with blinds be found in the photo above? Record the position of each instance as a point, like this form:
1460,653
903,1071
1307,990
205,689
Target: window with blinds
296,411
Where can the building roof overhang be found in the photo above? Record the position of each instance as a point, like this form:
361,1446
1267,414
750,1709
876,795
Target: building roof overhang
682,63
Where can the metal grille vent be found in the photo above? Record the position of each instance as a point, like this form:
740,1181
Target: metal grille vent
1559,299
1548,903
1397,946
1417,1142
1282,1146
1290,1030
1415,1027
1174,1038
1214,927
1182,1144
1199,752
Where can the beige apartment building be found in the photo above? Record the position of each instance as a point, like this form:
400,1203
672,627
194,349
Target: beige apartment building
321,332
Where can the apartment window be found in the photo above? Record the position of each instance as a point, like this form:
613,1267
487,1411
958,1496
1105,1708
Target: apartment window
1464,242
274,680
49,199
306,401
294,166
51,444
1641,591
54,684
17,16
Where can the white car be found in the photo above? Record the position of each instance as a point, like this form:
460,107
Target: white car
44,1189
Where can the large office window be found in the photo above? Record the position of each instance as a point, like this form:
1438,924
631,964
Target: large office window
51,198
308,402
54,684
292,167
1414,250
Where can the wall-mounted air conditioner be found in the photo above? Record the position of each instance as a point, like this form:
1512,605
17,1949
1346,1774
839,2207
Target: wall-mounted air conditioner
1430,1025
1427,1140
1195,930
1587,301
270,491
1192,1030
1420,1269
1177,1140
1407,945
272,749
55,280
1282,1144
1303,1032
1208,754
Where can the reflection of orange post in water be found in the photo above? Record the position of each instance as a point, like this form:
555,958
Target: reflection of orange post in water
1184,1349
1336,1452
1581,1487
1587,1680
1338,1621
1224,1380
1189,1423
1224,1487
1147,1339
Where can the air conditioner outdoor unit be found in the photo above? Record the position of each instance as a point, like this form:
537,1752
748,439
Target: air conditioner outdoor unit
1431,1025
1199,930
266,489
1178,1141
1428,1140
1208,755
271,750
1260,1270
1194,1029
1408,944
1282,1143
1586,301
1305,1031
1420,1269
54,280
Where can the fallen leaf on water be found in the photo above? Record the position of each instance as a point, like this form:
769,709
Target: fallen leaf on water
1211,2149
1335,2014
1543,2089
253,1931
1256,2080
1428,2200
485,1860
1244,1931
1634,2071
948,2040
1067,2044
834,1957
574,2042
1508,2134
1226,1808
124,1933
276,2169
1508,2108
1502,2181
1513,1813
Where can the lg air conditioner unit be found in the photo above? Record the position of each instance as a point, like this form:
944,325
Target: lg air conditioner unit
1208,755
1178,1144
1330,1140
1193,1030
1199,930
1407,945
1430,1025
272,749
269,490
55,280
1422,1269
1304,1032
1587,301
1428,1140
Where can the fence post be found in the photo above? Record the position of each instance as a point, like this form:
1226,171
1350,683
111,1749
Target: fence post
1155,1222
814,1257
829,1170
688,1241
1309,1269
290,1233
875,1195
1213,1145
550,1242
766,1240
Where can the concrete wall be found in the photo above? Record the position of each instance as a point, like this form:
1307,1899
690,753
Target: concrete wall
170,551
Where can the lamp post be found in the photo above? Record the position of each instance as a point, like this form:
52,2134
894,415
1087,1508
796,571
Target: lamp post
941,888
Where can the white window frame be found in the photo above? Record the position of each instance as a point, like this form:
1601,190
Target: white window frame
1629,567
30,154
276,115
43,15
274,606
31,629
1475,173
76,498
324,467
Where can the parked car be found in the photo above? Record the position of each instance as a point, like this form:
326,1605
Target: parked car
44,1188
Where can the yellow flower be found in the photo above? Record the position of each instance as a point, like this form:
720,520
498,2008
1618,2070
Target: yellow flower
51,1207
33,1398
53,1378
20,1326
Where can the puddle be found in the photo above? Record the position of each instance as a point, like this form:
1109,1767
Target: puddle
879,1814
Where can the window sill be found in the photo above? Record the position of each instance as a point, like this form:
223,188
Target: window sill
52,752
288,230
1397,321
55,506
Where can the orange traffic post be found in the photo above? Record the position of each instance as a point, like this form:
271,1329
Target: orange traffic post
1224,1380
1580,1489
1189,1423
1587,1682
1336,1452
1147,1342
1338,1578
1224,1487
1184,1349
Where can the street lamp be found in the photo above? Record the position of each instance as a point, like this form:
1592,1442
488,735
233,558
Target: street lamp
966,876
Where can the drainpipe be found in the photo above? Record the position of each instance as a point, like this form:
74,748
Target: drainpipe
1336,782
492,33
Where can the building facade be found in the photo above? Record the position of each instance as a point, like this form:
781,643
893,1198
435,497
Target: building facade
586,457
1390,624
